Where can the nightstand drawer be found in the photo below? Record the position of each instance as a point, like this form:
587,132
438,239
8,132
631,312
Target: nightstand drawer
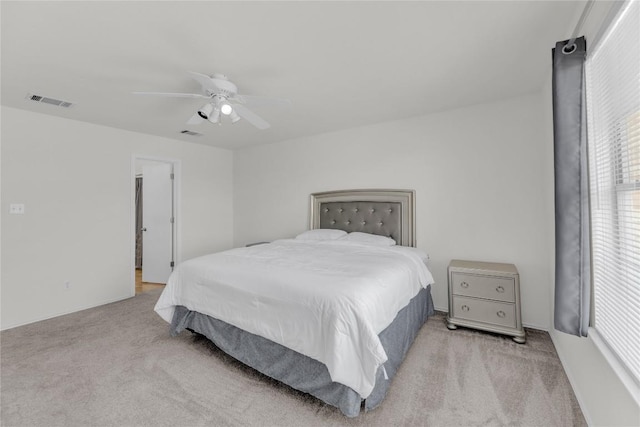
493,312
495,288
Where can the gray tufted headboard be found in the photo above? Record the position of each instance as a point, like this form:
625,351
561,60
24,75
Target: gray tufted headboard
388,213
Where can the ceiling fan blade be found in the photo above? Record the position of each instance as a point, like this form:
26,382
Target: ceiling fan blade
204,80
173,95
263,101
196,119
251,117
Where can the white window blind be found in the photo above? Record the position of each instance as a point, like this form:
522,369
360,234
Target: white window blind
613,108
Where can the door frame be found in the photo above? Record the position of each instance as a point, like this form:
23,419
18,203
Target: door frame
177,214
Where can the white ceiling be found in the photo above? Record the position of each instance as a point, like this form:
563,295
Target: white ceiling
342,64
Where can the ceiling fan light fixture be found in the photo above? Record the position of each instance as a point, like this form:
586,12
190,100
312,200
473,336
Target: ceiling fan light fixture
223,100
234,116
205,111
226,109
214,117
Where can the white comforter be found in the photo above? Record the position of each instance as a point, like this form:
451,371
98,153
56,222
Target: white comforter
328,300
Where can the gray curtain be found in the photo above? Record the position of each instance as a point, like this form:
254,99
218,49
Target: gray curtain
138,222
573,270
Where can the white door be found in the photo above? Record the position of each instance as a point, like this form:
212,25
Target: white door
157,235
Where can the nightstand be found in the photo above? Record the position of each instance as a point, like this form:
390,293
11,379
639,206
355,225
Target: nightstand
486,296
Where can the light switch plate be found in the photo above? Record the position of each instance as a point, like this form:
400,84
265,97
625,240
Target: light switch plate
16,208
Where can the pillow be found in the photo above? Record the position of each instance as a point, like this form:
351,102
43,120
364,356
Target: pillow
370,239
321,234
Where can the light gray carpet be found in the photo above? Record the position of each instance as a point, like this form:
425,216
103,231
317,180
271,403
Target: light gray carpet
116,365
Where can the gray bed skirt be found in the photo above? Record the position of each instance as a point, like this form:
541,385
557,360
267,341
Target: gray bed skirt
306,374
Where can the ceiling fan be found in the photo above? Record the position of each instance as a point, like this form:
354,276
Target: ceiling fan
223,100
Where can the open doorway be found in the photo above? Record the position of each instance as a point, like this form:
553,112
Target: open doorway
154,222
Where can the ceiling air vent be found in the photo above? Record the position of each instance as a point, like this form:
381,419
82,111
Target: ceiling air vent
190,133
51,101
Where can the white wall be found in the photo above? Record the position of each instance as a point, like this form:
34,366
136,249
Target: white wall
75,180
603,397
476,172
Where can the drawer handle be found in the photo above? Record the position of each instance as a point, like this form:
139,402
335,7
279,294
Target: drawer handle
500,289
465,308
501,314
464,284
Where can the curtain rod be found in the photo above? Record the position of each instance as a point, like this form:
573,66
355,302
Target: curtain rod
583,18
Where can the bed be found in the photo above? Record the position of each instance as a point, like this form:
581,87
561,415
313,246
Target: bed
331,313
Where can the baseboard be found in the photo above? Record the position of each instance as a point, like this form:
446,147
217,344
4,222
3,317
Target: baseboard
3,328
442,309
534,326
571,376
